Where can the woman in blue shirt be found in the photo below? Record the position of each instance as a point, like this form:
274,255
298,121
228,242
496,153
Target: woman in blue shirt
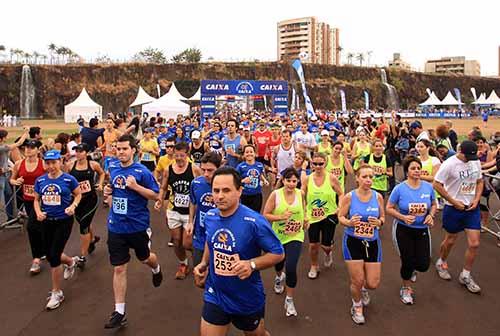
413,205
252,173
57,195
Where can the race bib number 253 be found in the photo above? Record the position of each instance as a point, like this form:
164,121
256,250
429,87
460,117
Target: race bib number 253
224,263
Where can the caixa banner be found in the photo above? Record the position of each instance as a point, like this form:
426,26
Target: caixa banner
243,87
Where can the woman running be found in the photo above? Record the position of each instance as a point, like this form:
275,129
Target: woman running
286,209
54,192
252,173
84,170
325,144
413,205
362,212
24,174
149,149
360,149
382,167
430,164
338,163
321,190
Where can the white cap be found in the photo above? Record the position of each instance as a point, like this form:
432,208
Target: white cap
314,118
325,132
195,135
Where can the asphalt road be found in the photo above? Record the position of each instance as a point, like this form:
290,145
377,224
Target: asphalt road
442,307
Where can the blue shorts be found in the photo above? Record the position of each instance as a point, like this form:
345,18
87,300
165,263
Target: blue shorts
369,251
213,314
455,221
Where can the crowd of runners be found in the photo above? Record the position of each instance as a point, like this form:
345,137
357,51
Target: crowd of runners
209,178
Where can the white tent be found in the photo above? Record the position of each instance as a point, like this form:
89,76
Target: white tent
493,98
481,100
142,98
433,100
450,100
169,105
196,96
82,106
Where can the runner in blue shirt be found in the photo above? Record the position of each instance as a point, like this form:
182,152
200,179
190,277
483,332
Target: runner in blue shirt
132,185
201,202
162,139
235,239
232,143
57,195
252,174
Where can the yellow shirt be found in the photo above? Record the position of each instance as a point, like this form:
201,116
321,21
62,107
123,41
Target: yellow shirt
147,148
164,162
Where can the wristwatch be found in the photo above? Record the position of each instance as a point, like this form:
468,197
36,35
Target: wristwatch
252,265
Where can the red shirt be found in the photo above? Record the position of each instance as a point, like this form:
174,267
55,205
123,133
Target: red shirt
29,179
262,139
273,144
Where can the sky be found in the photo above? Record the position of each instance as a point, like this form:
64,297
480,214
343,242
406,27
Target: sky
234,30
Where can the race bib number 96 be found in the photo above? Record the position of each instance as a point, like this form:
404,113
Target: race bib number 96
224,263
120,205
364,230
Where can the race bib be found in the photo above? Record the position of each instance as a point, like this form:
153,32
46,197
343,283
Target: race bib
364,230
292,227
230,146
120,205
318,212
51,199
29,190
417,209
181,201
254,182
224,263
378,170
85,186
147,157
337,171
467,188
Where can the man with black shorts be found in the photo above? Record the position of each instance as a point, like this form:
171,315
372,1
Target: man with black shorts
236,236
132,185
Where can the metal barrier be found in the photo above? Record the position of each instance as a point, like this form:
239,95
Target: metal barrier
18,216
493,225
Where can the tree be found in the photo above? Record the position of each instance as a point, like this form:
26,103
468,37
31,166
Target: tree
52,49
103,59
190,55
340,50
150,55
27,57
350,56
360,57
369,55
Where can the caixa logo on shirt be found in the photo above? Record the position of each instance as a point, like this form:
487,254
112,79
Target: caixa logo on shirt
207,200
119,182
223,239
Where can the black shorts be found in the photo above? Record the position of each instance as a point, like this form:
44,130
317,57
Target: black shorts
254,202
360,249
324,228
55,235
149,164
213,314
84,213
119,245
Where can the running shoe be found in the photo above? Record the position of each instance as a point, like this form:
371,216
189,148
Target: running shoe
357,315
278,283
313,273
69,271
413,277
328,260
469,283
116,320
35,268
55,300
81,262
170,243
92,244
442,270
157,279
290,308
182,272
365,297
406,295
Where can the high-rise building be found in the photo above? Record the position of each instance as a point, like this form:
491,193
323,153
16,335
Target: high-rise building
398,63
306,38
453,65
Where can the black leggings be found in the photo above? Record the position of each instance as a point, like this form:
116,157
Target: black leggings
414,246
292,255
34,231
56,233
84,213
254,202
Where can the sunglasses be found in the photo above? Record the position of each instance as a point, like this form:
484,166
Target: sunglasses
169,146
318,164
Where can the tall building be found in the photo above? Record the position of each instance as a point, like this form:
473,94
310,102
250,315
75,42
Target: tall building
453,65
312,41
398,63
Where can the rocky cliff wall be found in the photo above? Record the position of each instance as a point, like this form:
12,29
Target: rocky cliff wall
115,86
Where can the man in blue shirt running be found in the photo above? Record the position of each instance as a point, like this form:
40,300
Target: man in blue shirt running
235,237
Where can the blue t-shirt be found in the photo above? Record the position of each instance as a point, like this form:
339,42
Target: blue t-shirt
365,210
109,161
188,129
234,144
254,172
201,196
129,211
215,139
56,194
162,142
243,235
415,202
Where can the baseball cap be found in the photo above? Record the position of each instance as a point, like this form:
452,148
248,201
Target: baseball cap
83,146
32,143
325,132
149,130
469,149
52,154
246,128
314,118
416,124
195,135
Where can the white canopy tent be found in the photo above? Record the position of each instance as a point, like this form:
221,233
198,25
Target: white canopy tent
82,106
142,98
450,100
481,100
493,98
433,100
169,105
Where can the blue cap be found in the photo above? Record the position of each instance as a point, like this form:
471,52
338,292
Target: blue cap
416,124
52,154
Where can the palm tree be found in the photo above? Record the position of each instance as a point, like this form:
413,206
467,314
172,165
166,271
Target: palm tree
35,56
52,48
2,49
360,57
350,56
369,54
27,57
339,50
43,58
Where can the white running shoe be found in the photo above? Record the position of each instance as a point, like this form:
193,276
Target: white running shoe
290,308
279,287
357,315
55,300
328,260
469,283
69,271
365,297
313,273
406,295
414,277
442,269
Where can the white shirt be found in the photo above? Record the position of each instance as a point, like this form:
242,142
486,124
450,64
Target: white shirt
459,178
306,139
422,135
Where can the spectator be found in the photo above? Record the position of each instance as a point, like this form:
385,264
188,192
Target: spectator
452,135
92,135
